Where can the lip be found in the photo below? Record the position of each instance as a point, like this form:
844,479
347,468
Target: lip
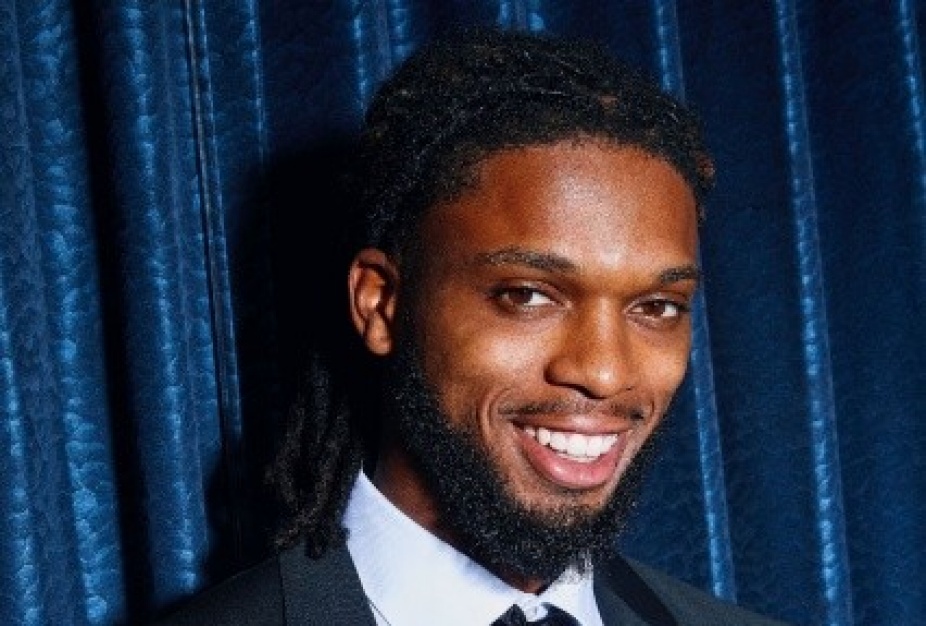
568,473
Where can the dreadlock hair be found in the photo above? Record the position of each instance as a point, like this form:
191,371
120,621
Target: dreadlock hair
451,104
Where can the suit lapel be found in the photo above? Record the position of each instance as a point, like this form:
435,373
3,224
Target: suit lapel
625,599
323,592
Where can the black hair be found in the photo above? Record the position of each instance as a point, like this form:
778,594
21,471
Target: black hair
462,98
455,101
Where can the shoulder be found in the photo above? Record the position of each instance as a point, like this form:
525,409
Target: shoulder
649,591
252,598
288,588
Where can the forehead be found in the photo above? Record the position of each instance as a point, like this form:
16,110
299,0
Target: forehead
587,200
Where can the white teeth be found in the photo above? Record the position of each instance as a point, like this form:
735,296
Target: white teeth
543,436
576,446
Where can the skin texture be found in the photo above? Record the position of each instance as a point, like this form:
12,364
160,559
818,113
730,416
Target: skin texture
552,293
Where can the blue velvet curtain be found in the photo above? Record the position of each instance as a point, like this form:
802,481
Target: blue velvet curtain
163,248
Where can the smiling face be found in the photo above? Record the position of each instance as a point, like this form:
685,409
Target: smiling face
548,316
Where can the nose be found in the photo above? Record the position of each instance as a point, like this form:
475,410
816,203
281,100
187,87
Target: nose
595,355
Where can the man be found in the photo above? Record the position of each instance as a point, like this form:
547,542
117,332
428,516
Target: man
528,260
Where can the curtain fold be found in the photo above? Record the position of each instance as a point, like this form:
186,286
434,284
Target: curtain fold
166,268
868,173
160,290
60,538
721,578
826,489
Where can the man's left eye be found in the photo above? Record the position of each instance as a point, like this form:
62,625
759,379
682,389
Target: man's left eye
524,297
661,309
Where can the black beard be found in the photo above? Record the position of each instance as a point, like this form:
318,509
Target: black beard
484,519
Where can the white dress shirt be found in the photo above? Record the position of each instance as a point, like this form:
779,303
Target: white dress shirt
412,578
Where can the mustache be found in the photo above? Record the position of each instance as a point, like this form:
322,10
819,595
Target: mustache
623,410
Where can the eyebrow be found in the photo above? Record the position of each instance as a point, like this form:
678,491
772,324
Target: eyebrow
549,262
544,261
677,274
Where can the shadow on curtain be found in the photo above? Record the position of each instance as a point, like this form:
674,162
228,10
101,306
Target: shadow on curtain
168,173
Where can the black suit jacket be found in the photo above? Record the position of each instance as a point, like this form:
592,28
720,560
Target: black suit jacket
293,590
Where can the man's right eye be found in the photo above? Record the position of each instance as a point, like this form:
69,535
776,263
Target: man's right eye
522,297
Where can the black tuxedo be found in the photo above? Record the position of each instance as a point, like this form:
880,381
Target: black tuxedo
294,590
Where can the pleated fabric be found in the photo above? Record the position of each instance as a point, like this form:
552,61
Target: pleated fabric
165,267
59,524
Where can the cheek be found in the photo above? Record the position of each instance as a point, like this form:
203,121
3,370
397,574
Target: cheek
472,366
665,369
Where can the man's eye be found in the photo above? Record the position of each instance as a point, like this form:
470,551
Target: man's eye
522,297
662,309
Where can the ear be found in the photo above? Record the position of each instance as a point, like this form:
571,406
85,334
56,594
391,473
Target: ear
373,283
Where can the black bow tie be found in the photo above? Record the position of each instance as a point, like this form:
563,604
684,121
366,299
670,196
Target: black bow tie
555,617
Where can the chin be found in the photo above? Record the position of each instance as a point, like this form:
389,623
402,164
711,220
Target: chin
530,517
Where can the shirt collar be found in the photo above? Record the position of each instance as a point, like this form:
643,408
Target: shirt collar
413,578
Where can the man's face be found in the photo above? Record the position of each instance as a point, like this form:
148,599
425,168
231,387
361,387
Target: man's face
549,321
